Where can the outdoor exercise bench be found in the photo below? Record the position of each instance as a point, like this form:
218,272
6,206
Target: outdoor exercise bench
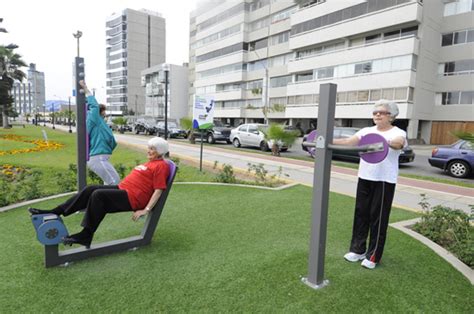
50,231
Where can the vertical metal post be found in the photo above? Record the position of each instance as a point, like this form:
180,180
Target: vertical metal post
166,104
81,128
200,157
69,115
322,174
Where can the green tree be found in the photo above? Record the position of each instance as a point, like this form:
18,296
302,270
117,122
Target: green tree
10,70
187,125
276,133
120,122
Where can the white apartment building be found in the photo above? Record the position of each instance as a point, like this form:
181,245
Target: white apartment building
29,97
155,82
136,40
417,53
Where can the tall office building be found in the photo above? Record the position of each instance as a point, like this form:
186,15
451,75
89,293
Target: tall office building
29,97
417,53
136,40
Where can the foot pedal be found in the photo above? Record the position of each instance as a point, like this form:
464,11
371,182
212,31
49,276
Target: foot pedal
50,228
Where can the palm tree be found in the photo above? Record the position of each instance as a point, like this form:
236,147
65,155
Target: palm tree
276,133
10,64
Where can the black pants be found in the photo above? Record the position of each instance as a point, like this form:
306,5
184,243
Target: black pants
372,212
97,201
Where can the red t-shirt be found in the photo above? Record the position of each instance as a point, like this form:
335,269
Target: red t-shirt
144,180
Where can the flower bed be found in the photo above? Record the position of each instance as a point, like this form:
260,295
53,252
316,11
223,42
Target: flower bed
41,145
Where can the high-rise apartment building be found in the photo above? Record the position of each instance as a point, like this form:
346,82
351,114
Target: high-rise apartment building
264,60
158,79
136,40
29,97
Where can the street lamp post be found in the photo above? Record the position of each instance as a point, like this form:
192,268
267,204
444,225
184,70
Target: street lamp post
81,130
52,117
44,114
69,115
166,68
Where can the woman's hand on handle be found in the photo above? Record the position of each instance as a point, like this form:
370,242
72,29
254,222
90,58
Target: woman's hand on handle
139,213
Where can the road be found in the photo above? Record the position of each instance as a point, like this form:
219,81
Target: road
419,166
343,180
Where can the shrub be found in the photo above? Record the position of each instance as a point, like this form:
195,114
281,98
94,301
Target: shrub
449,228
226,174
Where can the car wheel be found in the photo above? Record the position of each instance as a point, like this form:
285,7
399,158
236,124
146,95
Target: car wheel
236,142
137,131
458,169
263,146
283,149
210,138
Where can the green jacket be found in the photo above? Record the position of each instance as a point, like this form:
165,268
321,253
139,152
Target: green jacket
101,138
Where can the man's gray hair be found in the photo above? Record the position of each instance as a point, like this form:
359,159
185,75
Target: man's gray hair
388,105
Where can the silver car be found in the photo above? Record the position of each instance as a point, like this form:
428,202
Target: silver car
251,135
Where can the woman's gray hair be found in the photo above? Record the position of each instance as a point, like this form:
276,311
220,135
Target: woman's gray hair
388,105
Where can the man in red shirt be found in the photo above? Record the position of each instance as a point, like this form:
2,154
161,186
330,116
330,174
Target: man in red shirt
138,192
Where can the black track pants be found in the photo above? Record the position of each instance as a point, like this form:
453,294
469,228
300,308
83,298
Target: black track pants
97,201
372,212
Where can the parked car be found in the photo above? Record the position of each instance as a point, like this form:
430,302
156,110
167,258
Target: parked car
251,135
173,130
145,125
456,159
407,155
220,132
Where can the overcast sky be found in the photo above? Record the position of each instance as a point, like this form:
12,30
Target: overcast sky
43,29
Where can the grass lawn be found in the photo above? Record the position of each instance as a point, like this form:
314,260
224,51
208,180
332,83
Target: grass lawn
227,249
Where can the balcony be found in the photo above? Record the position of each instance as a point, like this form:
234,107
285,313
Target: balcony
373,51
397,15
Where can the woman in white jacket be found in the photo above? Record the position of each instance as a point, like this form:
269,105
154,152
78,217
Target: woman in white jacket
375,187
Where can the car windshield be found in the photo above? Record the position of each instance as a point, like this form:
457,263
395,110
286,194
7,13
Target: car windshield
172,125
219,124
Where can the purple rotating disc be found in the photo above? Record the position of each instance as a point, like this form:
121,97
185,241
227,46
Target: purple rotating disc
374,157
311,136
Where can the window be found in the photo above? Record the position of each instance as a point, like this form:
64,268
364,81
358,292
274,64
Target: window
375,94
467,98
391,35
363,95
460,37
341,97
308,99
304,77
456,38
400,93
387,93
326,73
373,38
280,81
363,68
352,96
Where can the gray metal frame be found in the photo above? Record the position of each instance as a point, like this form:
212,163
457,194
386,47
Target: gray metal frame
54,257
322,176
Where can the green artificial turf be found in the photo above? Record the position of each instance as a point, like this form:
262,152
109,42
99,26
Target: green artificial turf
227,249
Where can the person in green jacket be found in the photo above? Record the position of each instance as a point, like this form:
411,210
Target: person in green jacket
101,140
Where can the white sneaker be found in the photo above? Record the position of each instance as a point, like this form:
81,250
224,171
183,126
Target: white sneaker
354,257
368,264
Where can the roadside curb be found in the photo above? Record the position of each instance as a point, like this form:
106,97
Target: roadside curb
404,226
16,205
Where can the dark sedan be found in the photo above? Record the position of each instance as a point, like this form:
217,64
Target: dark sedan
407,155
173,130
456,159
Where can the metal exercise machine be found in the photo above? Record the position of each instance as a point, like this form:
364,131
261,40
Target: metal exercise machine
50,231
373,148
